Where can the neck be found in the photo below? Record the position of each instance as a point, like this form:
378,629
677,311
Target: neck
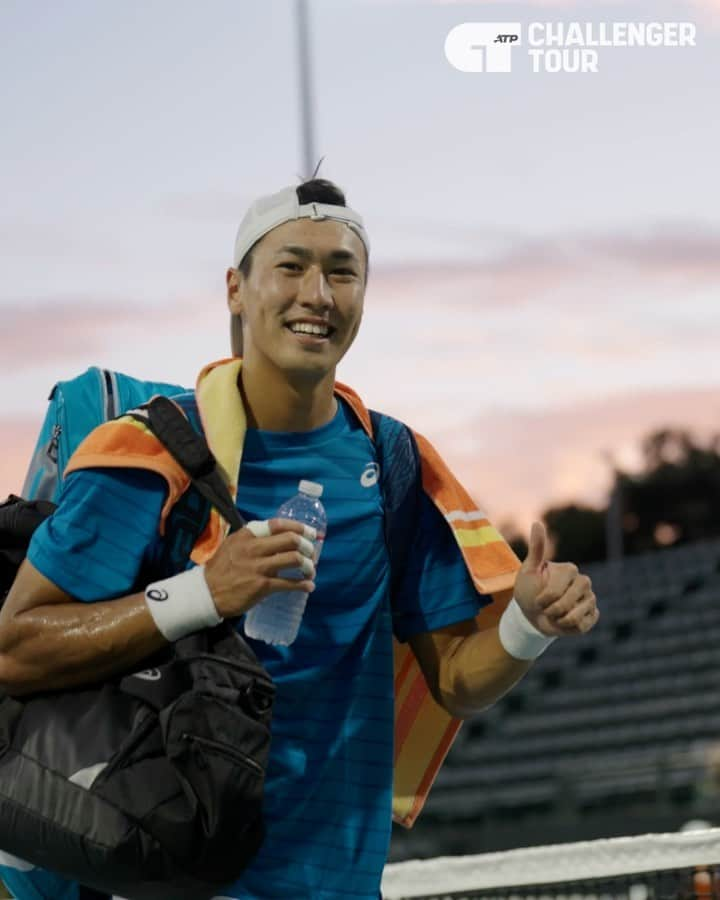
276,401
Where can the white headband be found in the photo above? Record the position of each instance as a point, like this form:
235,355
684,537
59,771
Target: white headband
268,212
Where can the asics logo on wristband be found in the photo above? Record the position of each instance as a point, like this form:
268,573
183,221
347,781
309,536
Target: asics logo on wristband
370,475
188,608
149,675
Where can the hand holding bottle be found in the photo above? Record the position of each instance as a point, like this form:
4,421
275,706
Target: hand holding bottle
277,619
253,563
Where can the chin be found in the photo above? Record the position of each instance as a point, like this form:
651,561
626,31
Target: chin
307,365
303,363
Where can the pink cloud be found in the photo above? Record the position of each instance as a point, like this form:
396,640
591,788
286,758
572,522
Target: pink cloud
19,438
688,249
560,3
530,271
689,255
56,330
53,329
516,465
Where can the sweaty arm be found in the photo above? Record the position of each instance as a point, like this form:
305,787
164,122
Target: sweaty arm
49,640
466,670
57,631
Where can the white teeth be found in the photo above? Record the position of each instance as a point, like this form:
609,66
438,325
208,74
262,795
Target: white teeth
307,328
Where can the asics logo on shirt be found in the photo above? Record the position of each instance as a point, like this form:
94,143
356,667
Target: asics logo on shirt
370,475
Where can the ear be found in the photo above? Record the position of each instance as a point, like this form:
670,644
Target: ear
234,280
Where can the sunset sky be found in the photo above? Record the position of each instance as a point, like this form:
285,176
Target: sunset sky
545,283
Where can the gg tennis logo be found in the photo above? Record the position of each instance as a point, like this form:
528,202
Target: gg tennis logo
572,47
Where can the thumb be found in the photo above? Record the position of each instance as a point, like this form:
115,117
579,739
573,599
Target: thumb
536,548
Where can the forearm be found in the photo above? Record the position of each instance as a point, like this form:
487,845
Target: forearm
476,671
49,641
60,645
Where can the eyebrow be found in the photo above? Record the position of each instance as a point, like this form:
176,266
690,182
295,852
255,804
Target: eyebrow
306,254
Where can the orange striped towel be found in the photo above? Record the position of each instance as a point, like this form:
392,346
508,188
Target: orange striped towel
424,732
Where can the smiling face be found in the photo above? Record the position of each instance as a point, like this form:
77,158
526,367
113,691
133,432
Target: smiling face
301,303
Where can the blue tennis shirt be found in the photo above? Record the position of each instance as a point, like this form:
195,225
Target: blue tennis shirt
329,781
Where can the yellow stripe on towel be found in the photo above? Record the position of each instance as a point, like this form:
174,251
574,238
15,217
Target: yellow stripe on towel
477,537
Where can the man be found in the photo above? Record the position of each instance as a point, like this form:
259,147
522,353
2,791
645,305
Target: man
296,289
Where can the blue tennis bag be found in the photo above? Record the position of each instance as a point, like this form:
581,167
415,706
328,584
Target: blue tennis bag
75,408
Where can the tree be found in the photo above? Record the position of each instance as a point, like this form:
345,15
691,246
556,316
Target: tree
674,499
578,532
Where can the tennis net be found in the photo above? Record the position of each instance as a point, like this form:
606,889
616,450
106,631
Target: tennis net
681,866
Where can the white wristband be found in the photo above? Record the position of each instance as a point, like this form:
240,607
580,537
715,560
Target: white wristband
518,636
182,604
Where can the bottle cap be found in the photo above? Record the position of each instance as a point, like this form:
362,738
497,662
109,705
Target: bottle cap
311,488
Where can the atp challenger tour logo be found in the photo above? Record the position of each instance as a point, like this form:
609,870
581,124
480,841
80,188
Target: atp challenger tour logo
555,46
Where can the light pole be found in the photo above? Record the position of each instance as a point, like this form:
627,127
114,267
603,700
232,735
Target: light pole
307,122
614,516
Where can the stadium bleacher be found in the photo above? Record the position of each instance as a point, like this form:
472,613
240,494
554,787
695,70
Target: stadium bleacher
609,733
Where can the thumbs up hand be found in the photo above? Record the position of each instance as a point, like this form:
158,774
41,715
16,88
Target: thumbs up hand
554,597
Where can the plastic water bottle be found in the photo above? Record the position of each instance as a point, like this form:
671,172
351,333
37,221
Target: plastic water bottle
276,619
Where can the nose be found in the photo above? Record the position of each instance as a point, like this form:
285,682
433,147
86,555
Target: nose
314,291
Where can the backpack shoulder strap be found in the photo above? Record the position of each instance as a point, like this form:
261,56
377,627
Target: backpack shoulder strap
189,449
174,423
401,485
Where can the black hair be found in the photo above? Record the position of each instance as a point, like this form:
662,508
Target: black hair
316,190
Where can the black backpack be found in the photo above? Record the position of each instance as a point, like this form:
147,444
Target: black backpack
148,786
